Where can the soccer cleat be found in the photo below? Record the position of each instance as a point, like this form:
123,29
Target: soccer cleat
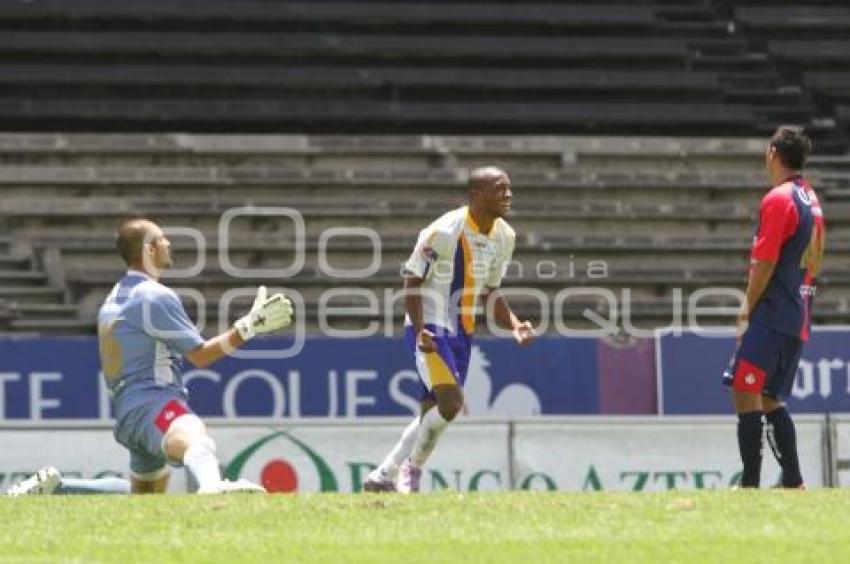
43,482
239,486
376,486
379,481
802,486
409,477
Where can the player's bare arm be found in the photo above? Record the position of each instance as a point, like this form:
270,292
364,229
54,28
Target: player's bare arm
505,318
813,258
215,349
761,271
413,305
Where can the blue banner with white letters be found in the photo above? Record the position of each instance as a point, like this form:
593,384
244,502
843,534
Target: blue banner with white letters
690,368
58,378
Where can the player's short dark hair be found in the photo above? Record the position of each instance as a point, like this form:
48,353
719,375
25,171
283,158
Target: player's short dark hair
481,176
792,145
131,238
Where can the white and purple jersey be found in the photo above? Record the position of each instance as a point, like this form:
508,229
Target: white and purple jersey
143,333
458,263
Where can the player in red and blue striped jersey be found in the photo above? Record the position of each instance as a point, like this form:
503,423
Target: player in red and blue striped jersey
775,319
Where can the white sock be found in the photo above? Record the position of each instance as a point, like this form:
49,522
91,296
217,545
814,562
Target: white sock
430,430
200,459
389,467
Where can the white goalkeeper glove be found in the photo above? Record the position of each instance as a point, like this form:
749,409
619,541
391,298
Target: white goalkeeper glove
267,314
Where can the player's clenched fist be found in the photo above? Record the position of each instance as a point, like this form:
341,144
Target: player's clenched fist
425,341
267,314
524,333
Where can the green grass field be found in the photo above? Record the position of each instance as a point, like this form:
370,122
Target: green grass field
707,526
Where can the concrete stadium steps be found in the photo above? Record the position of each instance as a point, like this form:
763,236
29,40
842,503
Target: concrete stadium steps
30,294
35,305
53,326
14,263
573,259
183,213
625,68
311,283
183,179
429,167
813,54
800,22
339,46
364,81
559,253
829,86
807,45
48,312
192,179
346,15
26,292
663,213
271,113
578,218
283,144
352,252
158,145
22,278
573,252
7,313
383,191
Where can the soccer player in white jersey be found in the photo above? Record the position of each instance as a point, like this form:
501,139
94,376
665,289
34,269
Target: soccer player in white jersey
457,265
143,333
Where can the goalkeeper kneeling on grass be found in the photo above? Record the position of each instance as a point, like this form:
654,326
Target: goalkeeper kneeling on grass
143,333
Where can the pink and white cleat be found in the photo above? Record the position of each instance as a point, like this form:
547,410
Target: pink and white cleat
409,477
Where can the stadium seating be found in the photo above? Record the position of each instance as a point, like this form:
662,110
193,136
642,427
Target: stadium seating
689,68
663,214
349,88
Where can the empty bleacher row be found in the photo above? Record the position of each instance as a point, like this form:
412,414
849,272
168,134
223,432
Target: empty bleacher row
661,217
695,67
809,47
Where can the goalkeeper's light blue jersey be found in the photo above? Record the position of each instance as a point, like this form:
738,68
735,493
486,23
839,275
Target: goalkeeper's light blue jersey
143,332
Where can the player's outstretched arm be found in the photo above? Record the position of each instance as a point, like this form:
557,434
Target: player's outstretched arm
267,314
505,317
215,349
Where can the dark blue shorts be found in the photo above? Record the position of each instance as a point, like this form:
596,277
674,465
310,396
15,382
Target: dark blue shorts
766,363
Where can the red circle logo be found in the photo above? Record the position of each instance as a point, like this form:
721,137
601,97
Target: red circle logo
279,476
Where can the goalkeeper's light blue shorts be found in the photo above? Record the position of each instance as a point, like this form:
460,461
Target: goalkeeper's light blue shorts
142,427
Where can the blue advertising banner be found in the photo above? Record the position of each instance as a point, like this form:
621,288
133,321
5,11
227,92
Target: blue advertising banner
690,367
58,378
